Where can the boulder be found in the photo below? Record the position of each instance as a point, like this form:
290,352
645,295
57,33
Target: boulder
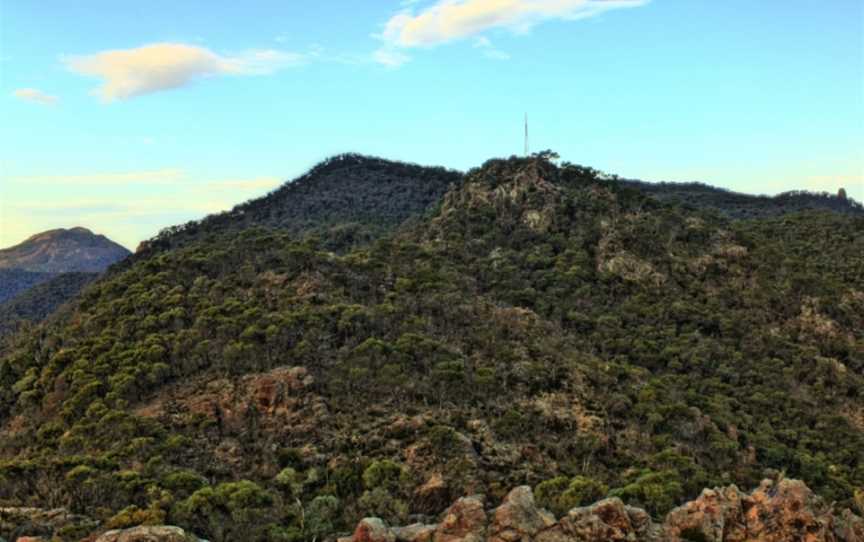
372,530
716,515
849,527
417,532
606,520
774,512
464,521
145,533
518,518
433,495
786,510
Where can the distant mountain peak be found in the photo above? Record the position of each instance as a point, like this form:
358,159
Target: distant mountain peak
63,250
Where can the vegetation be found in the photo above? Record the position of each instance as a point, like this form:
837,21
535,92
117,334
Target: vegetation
349,199
543,325
15,281
41,300
745,206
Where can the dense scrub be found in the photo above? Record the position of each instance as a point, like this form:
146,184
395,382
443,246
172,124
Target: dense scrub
745,206
349,198
37,302
15,281
545,326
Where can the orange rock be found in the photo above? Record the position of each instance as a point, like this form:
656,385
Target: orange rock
518,518
464,521
372,530
417,532
433,495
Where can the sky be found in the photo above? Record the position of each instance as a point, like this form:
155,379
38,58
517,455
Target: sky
128,117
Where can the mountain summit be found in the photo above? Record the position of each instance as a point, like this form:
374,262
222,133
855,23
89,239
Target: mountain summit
48,269
63,251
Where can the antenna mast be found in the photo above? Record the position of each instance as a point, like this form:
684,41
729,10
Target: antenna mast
526,135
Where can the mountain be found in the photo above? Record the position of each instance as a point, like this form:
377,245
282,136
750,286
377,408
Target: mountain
744,206
536,325
63,251
350,199
49,269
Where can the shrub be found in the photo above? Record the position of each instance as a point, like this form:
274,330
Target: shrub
384,474
321,515
561,494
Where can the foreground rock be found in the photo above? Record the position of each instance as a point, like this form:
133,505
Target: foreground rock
39,525
775,512
160,533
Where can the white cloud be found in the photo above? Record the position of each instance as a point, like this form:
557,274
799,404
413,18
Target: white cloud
449,20
247,184
167,175
128,212
482,42
127,73
35,95
490,51
390,57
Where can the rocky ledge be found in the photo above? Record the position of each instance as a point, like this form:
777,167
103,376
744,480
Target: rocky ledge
775,512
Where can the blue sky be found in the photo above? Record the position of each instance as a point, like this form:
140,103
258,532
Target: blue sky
127,117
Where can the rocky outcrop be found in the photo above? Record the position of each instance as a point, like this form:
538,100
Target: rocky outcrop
465,521
775,512
371,530
518,518
607,520
157,533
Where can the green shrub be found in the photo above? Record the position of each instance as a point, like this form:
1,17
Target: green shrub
384,474
380,503
321,516
561,494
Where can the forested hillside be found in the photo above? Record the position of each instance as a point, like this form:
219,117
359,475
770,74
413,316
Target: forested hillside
41,300
15,281
349,199
541,325
743,206
47,270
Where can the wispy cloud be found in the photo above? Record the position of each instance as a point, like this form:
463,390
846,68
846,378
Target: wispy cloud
490,51
127,73
390,57
259,183
449,20
35,95
167,175
128,211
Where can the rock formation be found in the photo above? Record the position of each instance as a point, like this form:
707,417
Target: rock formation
159,533
775,512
